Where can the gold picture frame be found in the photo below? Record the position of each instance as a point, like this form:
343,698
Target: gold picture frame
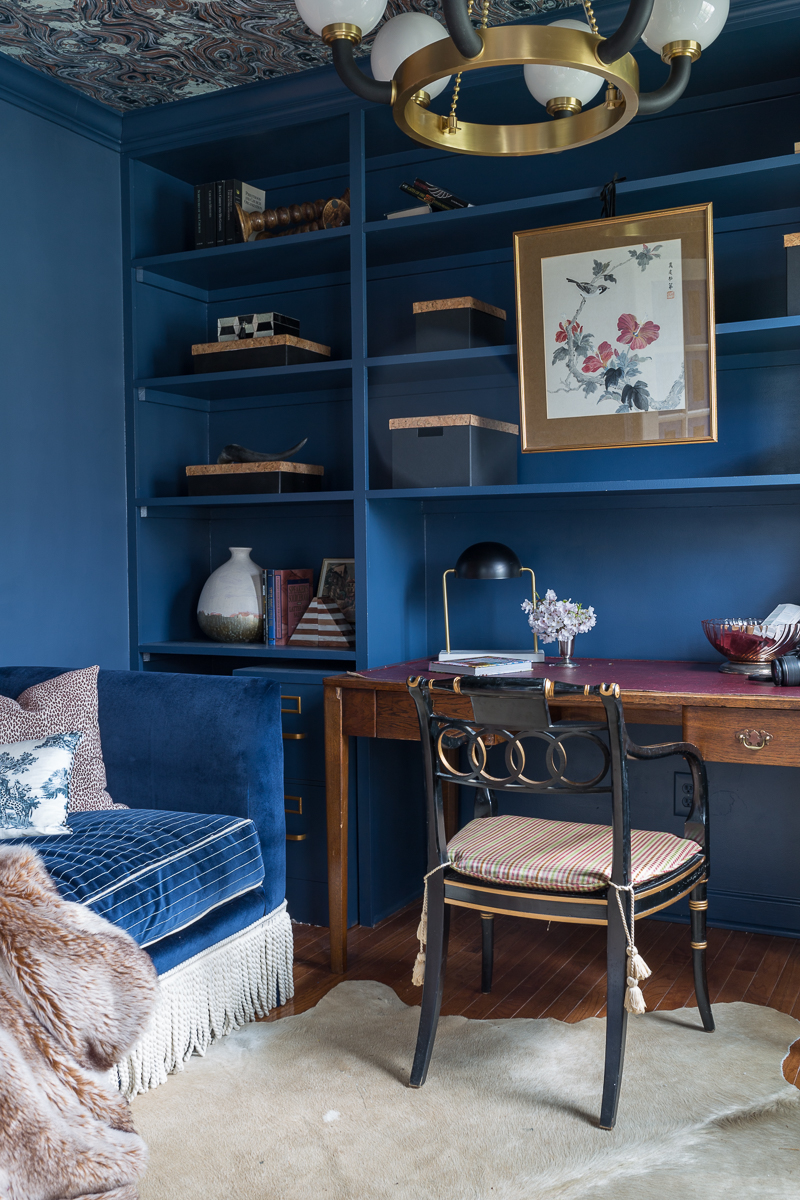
615,331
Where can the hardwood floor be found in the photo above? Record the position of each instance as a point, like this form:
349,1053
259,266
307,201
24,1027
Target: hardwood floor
555,970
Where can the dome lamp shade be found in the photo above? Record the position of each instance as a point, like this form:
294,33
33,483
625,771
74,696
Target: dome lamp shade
487,560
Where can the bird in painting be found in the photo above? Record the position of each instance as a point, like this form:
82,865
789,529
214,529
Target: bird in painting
589,289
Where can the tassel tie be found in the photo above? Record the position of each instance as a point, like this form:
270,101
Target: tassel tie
637,967
418,974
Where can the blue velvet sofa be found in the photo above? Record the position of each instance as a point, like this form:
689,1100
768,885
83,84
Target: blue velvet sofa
195,869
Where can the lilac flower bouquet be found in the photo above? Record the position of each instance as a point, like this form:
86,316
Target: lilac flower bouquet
557,620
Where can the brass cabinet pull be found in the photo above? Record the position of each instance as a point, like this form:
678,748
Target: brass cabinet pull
297,709
754,739
294,737
296,837
298,800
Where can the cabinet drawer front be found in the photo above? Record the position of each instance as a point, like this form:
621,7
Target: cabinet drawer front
745,735
306,830
303,731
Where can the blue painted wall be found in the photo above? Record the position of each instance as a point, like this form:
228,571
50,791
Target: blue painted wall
63,589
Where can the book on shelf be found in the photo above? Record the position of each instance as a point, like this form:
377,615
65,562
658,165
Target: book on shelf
215,219
441,194
482,664
249,198
205,209
287,593
439,199
418,211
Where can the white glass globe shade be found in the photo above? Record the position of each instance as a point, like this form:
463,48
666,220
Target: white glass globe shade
685,20
545,83
401,36
319,13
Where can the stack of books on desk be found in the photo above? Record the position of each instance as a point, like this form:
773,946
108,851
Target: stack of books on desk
482,664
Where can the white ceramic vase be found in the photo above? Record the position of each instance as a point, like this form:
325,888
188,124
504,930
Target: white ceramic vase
229,608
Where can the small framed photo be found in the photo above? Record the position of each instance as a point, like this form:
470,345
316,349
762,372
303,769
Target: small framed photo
615,328
337,581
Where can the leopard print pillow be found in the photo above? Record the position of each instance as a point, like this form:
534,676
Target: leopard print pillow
65,704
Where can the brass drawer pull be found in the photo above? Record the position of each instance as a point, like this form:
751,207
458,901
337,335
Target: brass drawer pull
297,709
298,800
294,737
754,739
296,837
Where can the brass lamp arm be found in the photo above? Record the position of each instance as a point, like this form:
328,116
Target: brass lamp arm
464,35
633,26
375,91
680,68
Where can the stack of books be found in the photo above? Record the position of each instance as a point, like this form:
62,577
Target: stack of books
482,664
215,219
287,594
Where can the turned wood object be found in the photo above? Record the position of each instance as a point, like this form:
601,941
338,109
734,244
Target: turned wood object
295,218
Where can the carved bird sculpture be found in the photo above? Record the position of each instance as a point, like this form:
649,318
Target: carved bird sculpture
239,454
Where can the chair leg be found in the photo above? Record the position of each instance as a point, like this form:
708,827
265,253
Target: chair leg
487,951
435,965
698,905
616,1017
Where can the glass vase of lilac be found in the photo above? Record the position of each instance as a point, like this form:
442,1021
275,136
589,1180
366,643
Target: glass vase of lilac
555,620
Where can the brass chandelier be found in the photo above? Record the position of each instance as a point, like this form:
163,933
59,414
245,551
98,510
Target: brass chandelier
565,65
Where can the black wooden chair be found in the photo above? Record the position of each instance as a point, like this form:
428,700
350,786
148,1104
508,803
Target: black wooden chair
543,869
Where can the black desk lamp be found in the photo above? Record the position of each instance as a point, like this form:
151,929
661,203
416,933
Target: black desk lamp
487,560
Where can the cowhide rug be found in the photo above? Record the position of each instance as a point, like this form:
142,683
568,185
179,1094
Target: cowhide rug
315,1107
75,994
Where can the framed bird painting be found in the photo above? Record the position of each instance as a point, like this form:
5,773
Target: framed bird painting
615,329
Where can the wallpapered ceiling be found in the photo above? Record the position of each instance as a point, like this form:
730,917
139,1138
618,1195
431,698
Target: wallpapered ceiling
133,53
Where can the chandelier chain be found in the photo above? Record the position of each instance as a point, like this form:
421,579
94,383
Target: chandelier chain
452,120
587,5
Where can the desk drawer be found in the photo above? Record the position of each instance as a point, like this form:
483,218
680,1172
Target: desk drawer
745,735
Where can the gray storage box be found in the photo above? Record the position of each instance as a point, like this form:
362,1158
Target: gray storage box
458,324
454,451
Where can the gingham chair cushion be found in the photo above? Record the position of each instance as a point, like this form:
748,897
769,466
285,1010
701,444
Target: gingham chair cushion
559,856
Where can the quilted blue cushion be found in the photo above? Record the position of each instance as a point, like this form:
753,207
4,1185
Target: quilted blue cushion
153,872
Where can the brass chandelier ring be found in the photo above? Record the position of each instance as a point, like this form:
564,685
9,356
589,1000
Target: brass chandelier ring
514,45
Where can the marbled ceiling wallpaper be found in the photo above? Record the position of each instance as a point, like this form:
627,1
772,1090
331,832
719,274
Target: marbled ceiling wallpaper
133,53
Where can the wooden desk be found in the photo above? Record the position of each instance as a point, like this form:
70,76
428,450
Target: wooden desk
715,711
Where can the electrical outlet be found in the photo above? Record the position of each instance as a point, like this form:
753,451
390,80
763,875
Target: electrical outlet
683,793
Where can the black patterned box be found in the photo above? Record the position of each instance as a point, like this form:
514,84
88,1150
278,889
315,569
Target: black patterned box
256,325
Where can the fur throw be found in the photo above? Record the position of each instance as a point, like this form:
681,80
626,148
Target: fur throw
75,995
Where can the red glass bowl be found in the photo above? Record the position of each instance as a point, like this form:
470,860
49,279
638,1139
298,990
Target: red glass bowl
748,646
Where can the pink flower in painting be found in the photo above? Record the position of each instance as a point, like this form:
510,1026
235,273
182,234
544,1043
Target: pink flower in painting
563,328
596,362
635,335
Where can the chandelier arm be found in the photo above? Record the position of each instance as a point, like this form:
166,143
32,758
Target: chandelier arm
633,26
465,37
680,69
376,91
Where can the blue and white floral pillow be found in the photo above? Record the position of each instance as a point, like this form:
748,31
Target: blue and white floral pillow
34,785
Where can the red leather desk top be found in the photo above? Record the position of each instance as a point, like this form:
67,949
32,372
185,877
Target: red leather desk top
678,682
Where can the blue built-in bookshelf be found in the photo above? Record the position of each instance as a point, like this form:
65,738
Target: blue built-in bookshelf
656,538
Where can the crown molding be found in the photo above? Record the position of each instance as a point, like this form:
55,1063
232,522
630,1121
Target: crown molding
55,101
286,100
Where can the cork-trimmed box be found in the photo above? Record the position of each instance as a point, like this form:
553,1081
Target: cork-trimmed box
792,243
282,350
461,450
253,479
458,324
